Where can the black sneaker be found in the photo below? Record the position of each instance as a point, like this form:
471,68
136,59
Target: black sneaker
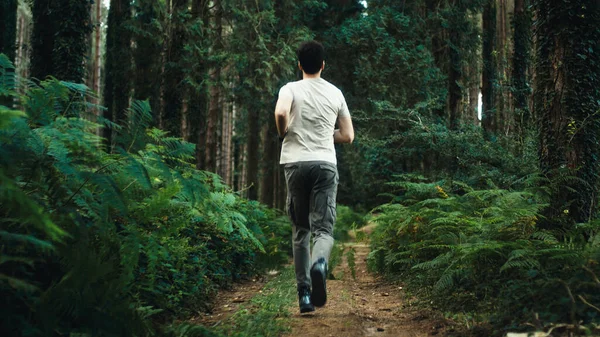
318,275
304,299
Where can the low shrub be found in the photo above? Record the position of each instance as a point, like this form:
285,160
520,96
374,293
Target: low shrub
347,219
113,243
481,252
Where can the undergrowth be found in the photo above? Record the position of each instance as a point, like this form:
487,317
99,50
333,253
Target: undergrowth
265,315
481,253
118,243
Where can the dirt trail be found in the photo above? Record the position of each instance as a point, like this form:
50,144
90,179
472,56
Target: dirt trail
365,306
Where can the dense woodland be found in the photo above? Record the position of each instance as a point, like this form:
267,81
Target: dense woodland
139,156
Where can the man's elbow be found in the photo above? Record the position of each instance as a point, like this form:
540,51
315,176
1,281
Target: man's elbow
350,137
347,138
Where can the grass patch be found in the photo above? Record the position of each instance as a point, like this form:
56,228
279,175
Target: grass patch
335,258
350,257
267,314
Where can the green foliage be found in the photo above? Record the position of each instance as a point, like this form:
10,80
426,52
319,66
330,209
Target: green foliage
265,314
335,258
351,258
346,219
398,67
102,244
481,251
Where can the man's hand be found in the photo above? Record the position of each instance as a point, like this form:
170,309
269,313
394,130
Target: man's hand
282,111
345,134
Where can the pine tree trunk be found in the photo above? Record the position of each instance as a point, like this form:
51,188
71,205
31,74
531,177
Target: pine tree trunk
504,119
253,151
198,94
566,102
8,36
70,46
23,40
173,74
147,56
59,46
117,87
489,78
42,40
454,78
521,60
267,185
93,78
281,188
215,96
438,47
226,134
8,28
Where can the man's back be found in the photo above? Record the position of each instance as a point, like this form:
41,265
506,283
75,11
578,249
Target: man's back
316,105
305,115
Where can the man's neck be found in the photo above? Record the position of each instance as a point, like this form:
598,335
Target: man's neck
306,76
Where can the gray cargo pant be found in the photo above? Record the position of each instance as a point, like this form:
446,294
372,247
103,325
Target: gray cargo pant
311,195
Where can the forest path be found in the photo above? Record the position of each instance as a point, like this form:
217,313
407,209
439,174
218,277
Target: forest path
363,306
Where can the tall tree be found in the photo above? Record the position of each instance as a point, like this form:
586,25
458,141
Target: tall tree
94,68
173,76
215,101
118,67
59,42
148,38
489,78
42,40
198,49
8,35
8,29
521,60
269,164
226,152
567,76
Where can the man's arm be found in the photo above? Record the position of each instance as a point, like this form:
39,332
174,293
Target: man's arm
345,134
282,111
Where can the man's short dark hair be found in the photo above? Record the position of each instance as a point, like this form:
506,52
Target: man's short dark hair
311,55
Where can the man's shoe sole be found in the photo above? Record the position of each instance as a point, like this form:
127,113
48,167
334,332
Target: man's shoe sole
307,309
319,292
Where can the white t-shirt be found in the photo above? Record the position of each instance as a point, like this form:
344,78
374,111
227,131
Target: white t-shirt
316,106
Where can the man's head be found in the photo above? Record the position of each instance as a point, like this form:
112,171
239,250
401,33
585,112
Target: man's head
310,56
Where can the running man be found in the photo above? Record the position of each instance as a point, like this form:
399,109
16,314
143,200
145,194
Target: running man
306,114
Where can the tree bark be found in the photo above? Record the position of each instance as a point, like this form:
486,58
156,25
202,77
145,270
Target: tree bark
521,60
147,56
8,28
214,105
59,46
567,99
173,74
267,185
198,96
489,78
226,142
253,150
8,37
454,78
42,40
117,88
